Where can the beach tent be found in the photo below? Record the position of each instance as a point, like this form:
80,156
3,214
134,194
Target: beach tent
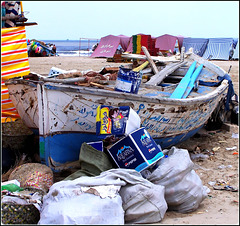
166,42
14,63
109,44
139,40
235,41
180,41
124,41
236,52
218,48
199,45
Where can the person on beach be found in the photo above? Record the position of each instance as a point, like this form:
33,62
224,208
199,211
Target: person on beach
94,47
54,49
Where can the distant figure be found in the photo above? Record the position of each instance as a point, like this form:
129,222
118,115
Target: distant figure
54,49
94,47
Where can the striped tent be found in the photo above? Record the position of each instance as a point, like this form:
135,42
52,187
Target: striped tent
14,63
199,45
218,48
236,52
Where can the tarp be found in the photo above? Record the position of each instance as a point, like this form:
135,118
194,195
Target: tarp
141,43
199,45
109,44
124,41
180,42
166,42
218,48
14,63
236,52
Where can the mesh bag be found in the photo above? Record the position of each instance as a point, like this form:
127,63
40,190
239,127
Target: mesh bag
12,213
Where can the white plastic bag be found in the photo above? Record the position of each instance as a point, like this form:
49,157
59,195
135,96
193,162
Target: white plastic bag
183,188
69,202
83,209
143,204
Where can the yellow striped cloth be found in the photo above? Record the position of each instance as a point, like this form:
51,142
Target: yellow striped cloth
139,47
14,63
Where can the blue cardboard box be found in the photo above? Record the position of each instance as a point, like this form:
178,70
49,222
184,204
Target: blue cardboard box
97,145
136,151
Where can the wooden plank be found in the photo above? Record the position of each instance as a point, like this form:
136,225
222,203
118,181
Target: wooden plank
153,65
182,86
154,58
26,24
65,81
101,86
192,81
210,65
139,68
161,75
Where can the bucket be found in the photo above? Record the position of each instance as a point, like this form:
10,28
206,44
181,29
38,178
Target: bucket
128,81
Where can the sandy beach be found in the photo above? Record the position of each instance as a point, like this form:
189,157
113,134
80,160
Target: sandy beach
221,207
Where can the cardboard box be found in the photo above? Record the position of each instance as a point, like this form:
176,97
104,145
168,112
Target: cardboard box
117,121
97,145
136,151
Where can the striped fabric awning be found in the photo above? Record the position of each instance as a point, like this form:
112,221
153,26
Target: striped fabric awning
14,63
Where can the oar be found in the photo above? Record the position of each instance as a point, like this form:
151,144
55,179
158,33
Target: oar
183,84
192,81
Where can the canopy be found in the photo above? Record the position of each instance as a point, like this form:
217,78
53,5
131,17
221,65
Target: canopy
218,48
166,42
137,41
199,45
109,44
180,41
236,52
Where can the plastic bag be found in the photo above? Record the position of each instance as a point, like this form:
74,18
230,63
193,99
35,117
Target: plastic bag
67,203
70,204
183,188
143,204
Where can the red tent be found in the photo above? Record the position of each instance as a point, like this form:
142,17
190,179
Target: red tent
109,44
167,42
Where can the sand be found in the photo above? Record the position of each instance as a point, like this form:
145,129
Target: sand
221,207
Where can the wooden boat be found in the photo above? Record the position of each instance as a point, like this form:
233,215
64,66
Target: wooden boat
64,114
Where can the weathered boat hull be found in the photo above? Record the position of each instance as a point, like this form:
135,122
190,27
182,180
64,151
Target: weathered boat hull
65,115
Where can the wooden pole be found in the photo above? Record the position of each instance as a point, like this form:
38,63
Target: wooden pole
153,65
21,8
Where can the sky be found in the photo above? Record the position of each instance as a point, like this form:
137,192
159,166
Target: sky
61,20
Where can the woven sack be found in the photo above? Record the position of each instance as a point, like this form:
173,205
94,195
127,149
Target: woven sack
21,214
34,175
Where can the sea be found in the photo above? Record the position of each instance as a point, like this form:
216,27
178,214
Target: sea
74,48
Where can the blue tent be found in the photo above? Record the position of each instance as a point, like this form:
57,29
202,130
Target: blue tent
219,49
236,52
199,45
